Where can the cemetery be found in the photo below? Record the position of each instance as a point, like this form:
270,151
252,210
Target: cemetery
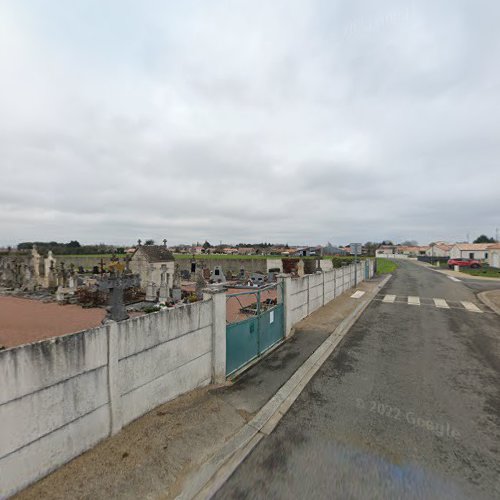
102,288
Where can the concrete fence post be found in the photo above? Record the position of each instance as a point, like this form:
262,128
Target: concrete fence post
308,292
323,283
115,400
285,298
218,298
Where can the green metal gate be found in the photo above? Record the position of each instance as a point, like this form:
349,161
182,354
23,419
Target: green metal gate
254,324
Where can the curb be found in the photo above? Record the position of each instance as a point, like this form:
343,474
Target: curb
483,297
215,472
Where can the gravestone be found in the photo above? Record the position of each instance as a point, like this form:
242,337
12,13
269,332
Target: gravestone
217,275
300,268
200,284
151,290
163,284
116,284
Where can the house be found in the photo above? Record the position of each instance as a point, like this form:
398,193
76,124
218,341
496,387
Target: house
411,251
246,250
307,251
477,251
439,250
150,262
494,255
385,250
329,249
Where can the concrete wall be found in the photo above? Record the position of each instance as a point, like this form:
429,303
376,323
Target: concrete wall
86,261
59,397
307,294
226,264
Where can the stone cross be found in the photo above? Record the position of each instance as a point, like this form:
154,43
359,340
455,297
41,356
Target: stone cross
117,284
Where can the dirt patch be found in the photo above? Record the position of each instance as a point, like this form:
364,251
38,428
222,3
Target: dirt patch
25,320
149,458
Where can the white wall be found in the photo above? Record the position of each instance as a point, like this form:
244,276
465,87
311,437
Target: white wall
309,293
456,253
494,257
275,264
59,397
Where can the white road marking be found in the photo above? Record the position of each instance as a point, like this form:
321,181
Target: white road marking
441,303
452,278
357,294
471,307
389,298
414,301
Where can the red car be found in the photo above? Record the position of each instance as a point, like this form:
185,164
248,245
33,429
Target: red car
462,262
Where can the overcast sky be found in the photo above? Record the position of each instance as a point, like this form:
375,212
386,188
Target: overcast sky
284,121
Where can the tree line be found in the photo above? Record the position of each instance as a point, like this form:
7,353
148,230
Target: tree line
71,248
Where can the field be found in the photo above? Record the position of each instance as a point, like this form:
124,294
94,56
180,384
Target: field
96,255
208,256
385,266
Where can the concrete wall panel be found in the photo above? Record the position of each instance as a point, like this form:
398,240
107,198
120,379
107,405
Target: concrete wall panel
146,366
144,332
28,368
185,378
42,456
26,419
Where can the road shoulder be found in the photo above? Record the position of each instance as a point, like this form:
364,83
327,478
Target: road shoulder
491,298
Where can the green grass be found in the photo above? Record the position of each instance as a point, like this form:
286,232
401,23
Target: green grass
223,256
485,271
385,266
98,255
337,261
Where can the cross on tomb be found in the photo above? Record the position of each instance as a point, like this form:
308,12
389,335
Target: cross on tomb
116,284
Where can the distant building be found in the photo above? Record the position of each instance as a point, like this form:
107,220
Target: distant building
411,251
329,249
196,250
246,250
307,252
477,251
438,250
384,250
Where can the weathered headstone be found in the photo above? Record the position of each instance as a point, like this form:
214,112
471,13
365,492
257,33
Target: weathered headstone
163,295
116,284
151,292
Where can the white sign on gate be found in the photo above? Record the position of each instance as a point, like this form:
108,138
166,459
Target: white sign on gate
356,248
271,317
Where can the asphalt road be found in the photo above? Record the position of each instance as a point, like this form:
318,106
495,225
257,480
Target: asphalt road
407,407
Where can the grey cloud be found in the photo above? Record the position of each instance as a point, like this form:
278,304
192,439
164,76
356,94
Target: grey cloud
282,121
